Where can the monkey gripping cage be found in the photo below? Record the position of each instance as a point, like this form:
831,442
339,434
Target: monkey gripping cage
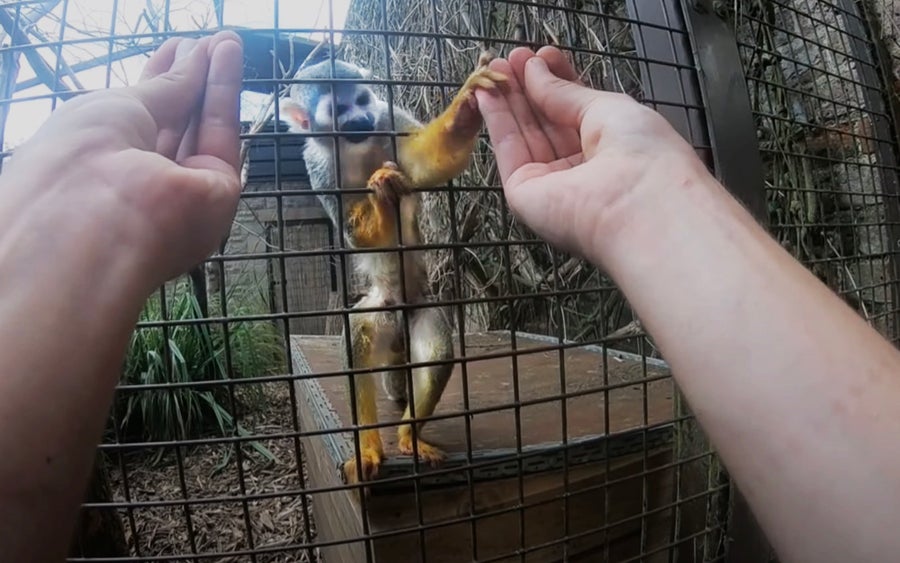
566,436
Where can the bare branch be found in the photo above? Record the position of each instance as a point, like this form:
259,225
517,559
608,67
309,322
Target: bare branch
40,67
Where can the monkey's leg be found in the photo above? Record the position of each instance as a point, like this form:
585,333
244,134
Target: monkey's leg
429,342
438,152
394,385
375,342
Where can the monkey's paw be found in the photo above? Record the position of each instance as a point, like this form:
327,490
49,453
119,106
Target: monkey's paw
389,183
467,119
429,454
371,462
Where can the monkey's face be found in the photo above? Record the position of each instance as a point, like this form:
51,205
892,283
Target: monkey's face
352,109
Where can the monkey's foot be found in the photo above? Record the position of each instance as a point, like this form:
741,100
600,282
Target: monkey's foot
371,462
388,183
427,453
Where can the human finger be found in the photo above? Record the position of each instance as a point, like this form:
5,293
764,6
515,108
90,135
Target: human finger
174,95
188,145
561,101
564,139
539,146
218,129
161,60
510,148
559,64
178,88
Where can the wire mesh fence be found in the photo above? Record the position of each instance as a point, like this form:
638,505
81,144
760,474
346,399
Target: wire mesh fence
565,435
821,103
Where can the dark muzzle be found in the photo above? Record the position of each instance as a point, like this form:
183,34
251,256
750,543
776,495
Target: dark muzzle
357,130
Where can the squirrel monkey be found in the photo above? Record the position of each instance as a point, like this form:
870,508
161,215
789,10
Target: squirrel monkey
429,156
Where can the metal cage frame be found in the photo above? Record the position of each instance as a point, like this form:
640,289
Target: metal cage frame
691,70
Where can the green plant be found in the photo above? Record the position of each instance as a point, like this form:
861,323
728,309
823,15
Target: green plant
185,353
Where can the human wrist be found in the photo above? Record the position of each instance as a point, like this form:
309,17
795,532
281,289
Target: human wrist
648,209
68,242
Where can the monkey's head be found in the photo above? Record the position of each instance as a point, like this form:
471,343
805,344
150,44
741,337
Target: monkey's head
313,108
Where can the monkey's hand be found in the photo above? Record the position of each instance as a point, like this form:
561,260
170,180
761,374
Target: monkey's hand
440,151
389,184
373,221
465,121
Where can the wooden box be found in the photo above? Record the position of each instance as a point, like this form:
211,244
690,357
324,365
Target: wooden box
596,503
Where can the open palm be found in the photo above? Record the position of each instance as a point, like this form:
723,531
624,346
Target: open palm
567,154
157,161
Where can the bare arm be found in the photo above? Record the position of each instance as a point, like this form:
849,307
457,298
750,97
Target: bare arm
98,209
796,392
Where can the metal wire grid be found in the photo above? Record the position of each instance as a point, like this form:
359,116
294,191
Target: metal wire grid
606,39
817,94
190,502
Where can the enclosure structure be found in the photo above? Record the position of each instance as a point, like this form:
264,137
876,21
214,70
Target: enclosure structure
566,435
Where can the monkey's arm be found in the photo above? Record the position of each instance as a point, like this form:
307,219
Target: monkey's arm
439,151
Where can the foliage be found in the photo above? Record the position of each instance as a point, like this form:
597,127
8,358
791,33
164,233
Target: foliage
191,352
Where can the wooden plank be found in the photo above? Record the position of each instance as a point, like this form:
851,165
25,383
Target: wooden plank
545,518
336,517
492,385
573,510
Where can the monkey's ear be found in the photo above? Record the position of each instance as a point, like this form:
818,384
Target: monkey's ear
296,115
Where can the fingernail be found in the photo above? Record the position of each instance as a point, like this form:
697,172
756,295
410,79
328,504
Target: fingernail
184,48
537,62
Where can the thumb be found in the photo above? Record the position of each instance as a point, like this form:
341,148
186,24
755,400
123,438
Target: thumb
563,102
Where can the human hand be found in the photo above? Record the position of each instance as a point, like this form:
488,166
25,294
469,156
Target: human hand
150,171
574,161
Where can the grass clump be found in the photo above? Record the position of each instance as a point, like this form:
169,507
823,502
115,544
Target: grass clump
185,353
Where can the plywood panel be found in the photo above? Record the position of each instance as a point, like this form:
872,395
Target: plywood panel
573,511
592,407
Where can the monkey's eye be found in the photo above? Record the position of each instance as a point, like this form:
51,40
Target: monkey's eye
363,99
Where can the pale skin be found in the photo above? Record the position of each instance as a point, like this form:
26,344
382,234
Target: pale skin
796,392
99,208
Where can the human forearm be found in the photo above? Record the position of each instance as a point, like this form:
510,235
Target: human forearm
781,374
68,301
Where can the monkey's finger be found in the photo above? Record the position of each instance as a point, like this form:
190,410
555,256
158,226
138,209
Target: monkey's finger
565,140
218,130
161,60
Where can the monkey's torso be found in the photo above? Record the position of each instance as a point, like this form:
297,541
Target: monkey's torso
358,162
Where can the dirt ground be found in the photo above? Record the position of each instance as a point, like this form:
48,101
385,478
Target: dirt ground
277,523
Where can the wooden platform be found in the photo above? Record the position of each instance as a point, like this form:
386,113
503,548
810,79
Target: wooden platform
616,424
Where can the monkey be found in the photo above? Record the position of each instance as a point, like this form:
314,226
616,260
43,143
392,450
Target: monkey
430,155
